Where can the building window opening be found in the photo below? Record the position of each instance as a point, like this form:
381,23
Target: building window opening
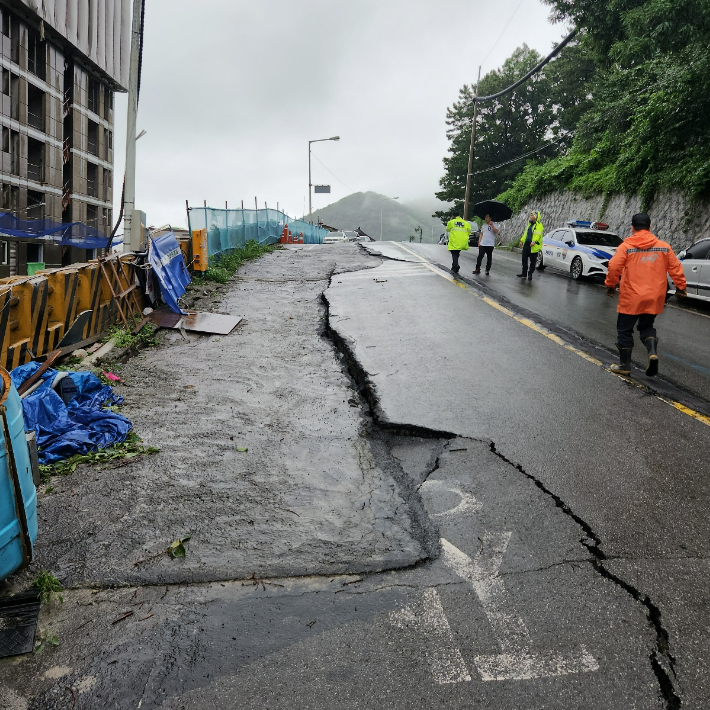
92,102
108,103
92,216
14,152
35,160
3,253
92,138
5,139
36,54
10,198
92,180
35,206
5,83
35,107
35,253
15,97
4,22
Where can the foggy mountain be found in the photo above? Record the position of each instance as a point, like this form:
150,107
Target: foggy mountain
362,209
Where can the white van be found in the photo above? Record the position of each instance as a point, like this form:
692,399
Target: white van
335,238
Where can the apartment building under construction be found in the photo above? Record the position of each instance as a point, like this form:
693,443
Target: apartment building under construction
61,63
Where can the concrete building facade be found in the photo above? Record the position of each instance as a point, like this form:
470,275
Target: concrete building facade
61,61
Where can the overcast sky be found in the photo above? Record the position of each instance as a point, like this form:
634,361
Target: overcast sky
232,92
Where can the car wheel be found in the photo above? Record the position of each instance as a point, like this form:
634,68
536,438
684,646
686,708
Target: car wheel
577,268
539,264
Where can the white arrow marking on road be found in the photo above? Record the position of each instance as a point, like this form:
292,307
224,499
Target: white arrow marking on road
444,659
467,504
518,661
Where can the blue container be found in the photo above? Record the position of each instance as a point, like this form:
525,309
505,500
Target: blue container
18,495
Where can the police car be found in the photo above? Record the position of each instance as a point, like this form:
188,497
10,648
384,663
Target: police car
581,248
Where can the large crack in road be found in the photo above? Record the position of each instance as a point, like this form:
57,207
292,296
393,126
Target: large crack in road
660,656
194,644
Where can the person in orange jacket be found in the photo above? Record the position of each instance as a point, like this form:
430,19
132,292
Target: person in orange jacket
641,262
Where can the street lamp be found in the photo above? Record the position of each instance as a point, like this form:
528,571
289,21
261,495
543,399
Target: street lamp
382,204
310,185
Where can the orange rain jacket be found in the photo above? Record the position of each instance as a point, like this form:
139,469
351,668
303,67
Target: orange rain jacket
642,262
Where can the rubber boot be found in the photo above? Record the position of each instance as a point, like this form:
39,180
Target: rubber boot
624,366
651,345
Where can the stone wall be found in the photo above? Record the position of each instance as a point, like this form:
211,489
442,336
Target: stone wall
673,219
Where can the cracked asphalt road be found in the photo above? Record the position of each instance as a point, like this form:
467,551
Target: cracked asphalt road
427,516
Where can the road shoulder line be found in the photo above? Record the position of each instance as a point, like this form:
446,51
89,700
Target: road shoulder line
692,407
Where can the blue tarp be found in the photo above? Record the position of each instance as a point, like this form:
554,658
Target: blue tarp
76,428
168,264
75,234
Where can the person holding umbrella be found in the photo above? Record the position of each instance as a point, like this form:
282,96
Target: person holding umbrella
492,212
531,242
458,230
486,243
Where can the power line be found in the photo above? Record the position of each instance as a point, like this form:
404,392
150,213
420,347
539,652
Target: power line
522,157
535,69
502,33
559,140
331,172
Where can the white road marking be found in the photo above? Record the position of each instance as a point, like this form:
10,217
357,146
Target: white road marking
467,504
517,661
444,659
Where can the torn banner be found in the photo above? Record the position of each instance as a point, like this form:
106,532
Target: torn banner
77,427
168,264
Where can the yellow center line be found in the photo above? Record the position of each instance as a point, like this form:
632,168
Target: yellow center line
556,339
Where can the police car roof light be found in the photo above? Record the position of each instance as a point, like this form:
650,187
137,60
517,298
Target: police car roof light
584,224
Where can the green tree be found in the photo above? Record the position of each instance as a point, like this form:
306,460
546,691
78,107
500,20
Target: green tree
533,117
647,127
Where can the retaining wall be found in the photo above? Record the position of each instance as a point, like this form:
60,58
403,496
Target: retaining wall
673,218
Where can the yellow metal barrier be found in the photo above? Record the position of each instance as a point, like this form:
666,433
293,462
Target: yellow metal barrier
36,311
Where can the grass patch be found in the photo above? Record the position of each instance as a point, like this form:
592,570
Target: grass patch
145,338
48,586
128,449
225,265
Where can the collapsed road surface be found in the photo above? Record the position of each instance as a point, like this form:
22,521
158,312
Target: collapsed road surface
438,506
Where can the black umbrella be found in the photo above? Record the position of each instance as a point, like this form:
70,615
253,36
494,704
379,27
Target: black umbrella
498,211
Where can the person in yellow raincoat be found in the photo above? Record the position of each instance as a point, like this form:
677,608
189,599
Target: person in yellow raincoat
531,243
459,231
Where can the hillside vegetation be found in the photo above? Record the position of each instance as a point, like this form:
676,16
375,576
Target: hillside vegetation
624,109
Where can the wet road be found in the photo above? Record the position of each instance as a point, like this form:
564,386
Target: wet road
584,308
626,462
443,504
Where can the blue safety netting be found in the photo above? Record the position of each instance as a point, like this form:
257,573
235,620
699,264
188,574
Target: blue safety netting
75,234
229,229
81,425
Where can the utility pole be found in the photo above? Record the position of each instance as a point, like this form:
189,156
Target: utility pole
132,237
469,174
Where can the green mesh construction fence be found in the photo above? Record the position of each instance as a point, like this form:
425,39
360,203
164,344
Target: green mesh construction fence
229,229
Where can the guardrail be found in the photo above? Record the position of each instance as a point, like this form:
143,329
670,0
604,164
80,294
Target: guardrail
37,311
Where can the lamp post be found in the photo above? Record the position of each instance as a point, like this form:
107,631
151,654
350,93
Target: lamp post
310,185
382,205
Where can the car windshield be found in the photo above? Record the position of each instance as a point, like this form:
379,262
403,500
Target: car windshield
598,238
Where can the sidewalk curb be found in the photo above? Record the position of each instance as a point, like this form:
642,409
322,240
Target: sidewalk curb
105,349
